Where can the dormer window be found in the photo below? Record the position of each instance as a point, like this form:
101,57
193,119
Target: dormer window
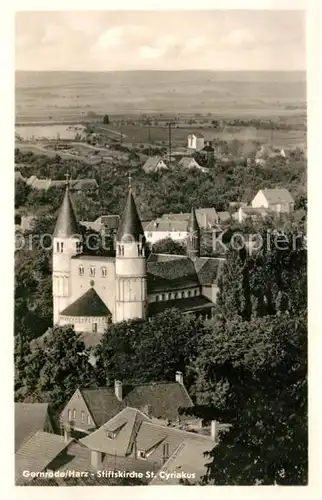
92,271
81,270
141,454
110,434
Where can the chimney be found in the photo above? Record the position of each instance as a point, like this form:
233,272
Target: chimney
118,389
147,409
179,377
96,458
213,430
67,434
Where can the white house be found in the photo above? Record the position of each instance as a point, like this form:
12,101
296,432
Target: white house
196,141
161,229
250,213
189,163
207,218
154,164
277,200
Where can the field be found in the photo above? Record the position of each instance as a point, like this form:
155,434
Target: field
72,97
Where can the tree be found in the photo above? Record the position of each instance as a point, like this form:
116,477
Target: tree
126,349
253,375
106,120
56,366
170,246
22,190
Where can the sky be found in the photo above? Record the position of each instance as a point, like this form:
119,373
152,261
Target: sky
176,40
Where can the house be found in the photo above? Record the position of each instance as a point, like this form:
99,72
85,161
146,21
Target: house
88,409
196,141
207,217
223,217
154,164
277,200
133,435
39,453
30,418
160,229
189,162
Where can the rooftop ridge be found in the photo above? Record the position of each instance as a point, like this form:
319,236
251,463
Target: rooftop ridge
187,433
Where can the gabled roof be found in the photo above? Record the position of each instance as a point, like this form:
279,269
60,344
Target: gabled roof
89,304
197,134
278,195
152,164
102,404
130,224
209,269
38,452
164,399
29,418
188,162
189,457
66,225
127,422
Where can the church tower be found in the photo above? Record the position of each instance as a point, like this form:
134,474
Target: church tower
193,240
67,241
130,265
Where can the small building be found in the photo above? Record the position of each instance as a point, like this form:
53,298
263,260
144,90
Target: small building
190,163
207,217
88,409
250,213
277,200
196,141
161,229
154,164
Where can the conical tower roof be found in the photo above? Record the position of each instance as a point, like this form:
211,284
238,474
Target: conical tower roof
66,225
130,224
193,226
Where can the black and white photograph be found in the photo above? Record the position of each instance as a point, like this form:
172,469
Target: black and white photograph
160,255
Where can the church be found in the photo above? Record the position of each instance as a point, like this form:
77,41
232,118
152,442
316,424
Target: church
91,292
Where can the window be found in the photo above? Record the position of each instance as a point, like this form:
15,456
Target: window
92,271
119,249
149,235
157,298
78,247
74,414
61,246
175,295
122,250
89,420
81,270
104,272
165,451
110,434
82,417
141,454
57,246
189,293
196,293
94,327
69,415
163,296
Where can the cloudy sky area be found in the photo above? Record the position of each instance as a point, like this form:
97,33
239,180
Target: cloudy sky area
213,40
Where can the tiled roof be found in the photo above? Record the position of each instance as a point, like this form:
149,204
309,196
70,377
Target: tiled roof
89,304
209,269
66,224
162,257
152,163
127,421
109,221
38,452
163,225
164,399
130,224
29,418
185,305
206,217
171,274
278,195
187,162
102,403
189,458
151,436
197,134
